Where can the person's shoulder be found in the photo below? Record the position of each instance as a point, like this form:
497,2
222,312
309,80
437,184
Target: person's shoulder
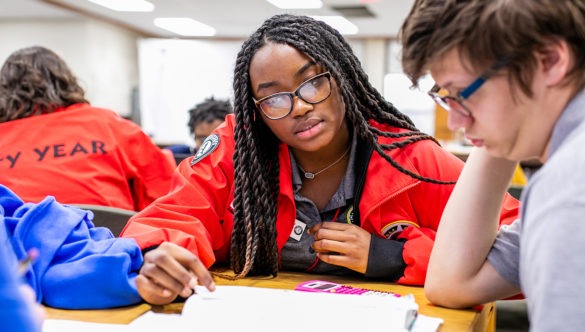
112,118
230,120
219,146
89,110
226,129
566,164
108,112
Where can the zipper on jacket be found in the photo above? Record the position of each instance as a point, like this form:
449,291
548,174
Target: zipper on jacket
364,152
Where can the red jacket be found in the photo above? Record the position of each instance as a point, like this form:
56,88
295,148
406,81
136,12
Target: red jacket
196,214
83,154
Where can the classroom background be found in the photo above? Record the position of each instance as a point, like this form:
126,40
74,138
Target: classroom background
154,76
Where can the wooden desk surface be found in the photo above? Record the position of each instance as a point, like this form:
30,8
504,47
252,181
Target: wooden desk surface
454,320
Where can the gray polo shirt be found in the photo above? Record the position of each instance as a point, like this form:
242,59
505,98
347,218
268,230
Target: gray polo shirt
297,254
544,251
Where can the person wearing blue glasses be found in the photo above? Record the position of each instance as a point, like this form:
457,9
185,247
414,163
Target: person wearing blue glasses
512,75
314,172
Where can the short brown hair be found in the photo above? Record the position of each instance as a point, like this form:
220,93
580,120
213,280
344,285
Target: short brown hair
486,32
35,80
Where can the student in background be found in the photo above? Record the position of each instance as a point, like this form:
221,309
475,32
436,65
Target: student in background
203,119
314,172
54,142
512,74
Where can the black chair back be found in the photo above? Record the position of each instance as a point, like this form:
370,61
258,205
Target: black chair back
106,216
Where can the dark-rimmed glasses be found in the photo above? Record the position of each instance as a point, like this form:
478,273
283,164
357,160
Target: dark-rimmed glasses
312,91
456,103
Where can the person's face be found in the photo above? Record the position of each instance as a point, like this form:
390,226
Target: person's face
508,125
308,127
204,129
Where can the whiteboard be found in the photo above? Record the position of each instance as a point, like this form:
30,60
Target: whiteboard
177,74
413,102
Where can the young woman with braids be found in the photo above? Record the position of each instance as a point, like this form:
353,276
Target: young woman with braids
314,172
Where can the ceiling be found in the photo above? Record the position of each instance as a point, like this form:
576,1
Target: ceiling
230,18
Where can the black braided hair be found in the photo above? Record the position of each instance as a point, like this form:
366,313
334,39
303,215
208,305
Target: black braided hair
253,246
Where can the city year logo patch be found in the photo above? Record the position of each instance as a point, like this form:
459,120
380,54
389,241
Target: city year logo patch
393,229
349,216
207,147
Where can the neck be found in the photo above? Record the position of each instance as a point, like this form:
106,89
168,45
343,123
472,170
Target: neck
309,174
557,102
316,160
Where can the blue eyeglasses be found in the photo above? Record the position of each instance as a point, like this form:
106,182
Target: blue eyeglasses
456,103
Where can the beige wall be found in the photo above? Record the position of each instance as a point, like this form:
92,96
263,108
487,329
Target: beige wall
374,61
102,56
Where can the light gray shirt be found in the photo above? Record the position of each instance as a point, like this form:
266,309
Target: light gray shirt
544,251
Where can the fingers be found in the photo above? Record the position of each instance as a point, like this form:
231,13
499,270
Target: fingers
161,270
169,271
162,267
329,238
329,246
153,293
342,244
334,259
329,225
198,273
353,259
203,277
314,229
336,231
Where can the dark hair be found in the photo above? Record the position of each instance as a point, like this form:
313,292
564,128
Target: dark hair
253,245
36,81
486,32
207,111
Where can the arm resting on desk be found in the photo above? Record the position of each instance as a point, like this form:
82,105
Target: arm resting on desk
459,274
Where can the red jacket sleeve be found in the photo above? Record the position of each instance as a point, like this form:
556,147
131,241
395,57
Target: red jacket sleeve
195,214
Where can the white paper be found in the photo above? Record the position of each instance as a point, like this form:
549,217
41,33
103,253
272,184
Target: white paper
152,321
425,323
59,325
238,308
263,309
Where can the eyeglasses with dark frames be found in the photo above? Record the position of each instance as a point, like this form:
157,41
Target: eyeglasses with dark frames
456,103
313,91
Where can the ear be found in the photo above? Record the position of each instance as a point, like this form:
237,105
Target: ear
554,60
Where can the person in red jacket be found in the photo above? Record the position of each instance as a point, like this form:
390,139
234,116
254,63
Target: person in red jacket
314,172
54,142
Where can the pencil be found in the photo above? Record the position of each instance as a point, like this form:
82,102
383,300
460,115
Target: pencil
24,264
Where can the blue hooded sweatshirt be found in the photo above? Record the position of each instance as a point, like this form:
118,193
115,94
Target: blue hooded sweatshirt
79,266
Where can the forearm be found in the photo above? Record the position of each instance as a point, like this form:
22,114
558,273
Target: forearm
469,224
